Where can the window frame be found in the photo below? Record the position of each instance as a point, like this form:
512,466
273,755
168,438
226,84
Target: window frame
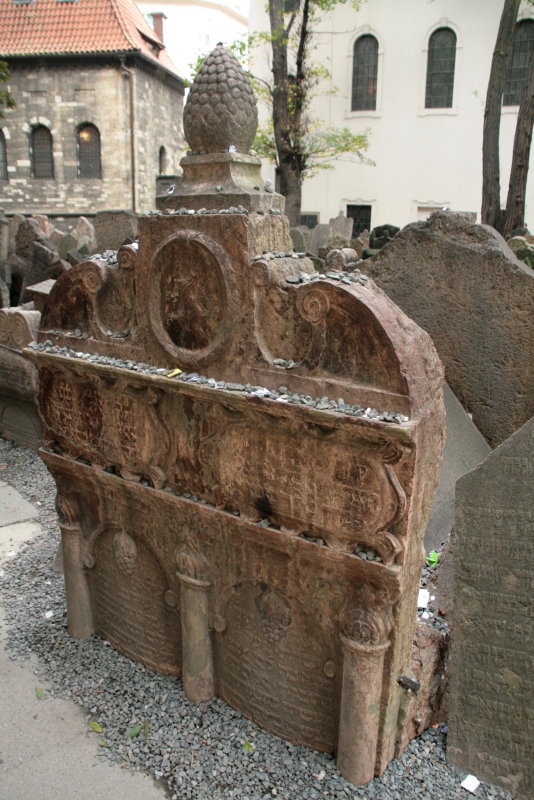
82,159
524,24
4,173
371,109
452,71
37,160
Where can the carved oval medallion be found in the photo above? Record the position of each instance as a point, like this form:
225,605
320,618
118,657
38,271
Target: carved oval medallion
193,298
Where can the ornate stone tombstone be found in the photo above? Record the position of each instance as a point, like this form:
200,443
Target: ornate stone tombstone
253,523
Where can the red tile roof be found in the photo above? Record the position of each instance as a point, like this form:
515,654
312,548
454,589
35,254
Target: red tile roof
61,27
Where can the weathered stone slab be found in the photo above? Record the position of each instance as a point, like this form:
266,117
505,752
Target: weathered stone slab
491,721
465,448
463,285
319,237
19,419
245,460
112,228
341,226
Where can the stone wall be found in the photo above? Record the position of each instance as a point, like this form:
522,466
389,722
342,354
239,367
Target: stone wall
64,94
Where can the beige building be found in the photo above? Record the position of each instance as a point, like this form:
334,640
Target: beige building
98,113
414,75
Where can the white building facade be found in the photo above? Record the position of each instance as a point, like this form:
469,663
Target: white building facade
192,28
413,74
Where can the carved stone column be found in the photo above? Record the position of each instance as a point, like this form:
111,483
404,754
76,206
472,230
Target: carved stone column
364,647
79,612
197,650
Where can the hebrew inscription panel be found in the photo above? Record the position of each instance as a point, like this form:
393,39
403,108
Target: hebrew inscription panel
492,720
128,589
275,665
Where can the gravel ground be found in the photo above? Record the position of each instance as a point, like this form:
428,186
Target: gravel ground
205,752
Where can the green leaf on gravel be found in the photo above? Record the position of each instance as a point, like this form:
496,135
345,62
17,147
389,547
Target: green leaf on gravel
146,730
39,693
102,743
96,727
248,747
133,732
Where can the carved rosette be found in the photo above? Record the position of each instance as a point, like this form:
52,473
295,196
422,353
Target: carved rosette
221,109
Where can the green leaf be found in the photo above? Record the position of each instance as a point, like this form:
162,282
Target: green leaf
39,693
102,743
146,730
248,747
432,558
135,731
95,726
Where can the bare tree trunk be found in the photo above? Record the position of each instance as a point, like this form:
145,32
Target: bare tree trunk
491,187
291,188
515,203
288,101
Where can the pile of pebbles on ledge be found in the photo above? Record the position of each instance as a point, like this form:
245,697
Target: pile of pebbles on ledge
281,395
201,752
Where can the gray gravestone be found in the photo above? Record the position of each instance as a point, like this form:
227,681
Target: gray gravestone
491,721
465,448
463,285
319,237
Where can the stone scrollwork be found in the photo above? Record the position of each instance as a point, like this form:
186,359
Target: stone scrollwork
191,564
369,628
93,276
127,256
313,304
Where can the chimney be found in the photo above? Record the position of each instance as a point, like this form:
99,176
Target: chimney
157,24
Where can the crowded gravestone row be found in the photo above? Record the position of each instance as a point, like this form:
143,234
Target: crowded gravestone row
245,452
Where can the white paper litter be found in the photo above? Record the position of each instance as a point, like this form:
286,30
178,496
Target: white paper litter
422,598
470,783
48,614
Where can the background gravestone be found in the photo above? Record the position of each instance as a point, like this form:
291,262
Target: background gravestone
465,448
113,228
491,721
464,286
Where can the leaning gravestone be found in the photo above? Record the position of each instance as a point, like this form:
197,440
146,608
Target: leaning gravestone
491,722
462,284
245,454
341,226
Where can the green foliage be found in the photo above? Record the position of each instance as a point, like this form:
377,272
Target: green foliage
95,726
6,98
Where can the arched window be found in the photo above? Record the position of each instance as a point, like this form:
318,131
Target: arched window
89,165
162,161
364,73
440,69
3,157
517,68
42,158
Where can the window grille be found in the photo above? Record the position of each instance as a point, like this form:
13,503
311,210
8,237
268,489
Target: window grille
440,69
362,218
42,158
3,157
89,165
309,219
517,68
364,73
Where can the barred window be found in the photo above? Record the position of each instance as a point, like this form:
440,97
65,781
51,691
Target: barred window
162,161
89,165
440,69
517,68
364,73
3,157
42,158
361,216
